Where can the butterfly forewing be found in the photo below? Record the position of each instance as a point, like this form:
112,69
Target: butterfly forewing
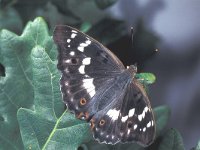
97,88
86,67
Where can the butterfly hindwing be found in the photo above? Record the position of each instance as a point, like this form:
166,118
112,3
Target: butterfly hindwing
140,124
130,119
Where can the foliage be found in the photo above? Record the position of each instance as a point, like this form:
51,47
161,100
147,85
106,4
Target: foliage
32,114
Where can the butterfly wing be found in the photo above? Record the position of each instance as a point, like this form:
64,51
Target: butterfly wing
87,69
131,119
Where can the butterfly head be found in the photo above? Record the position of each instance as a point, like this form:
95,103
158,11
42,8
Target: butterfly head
132,69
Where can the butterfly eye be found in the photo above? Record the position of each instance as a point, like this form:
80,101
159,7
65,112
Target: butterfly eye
83,101
102,122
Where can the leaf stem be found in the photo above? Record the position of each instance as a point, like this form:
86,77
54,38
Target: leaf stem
54,130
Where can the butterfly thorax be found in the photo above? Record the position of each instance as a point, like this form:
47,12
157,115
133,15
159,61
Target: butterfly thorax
132,69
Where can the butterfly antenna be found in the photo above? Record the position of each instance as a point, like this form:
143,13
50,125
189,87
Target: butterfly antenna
132,35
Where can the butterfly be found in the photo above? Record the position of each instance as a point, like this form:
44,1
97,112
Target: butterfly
96,87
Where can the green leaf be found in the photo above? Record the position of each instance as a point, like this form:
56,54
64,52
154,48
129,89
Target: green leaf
162,114
102,4
16,88
172,140
85,27
197,147
146,78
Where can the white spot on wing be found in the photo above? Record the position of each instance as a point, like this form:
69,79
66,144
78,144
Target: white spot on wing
113,114
68,91
88,42
83,45
135,126
68,45
152,123
66,83
72,53
89,86
143,114
124,118
88,80
131,112
128,132
149,124
66,70
81,48
67,61
92,93
82,69
86,76
68,40
121,133
140,117
146,109
86,61
144,129
74,31
73,35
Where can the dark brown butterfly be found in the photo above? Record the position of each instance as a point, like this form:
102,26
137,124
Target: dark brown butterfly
97,88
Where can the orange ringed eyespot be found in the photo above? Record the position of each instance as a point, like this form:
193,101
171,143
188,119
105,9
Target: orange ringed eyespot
83,101
102,122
